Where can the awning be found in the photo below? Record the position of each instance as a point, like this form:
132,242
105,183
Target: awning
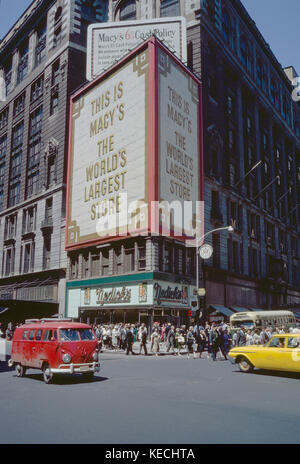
237,309
222,309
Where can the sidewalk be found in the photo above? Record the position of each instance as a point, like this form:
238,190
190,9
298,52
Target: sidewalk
136,350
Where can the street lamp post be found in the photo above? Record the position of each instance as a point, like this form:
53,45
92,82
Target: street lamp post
198,248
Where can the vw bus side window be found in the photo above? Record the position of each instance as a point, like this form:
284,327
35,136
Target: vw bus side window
24,336
31,335
38,335
50,335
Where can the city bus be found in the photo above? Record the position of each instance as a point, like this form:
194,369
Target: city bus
260,319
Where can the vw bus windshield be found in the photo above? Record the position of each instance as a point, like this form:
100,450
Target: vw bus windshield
69,335
75,335
86,334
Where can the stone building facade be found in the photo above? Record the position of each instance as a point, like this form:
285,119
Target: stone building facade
42,60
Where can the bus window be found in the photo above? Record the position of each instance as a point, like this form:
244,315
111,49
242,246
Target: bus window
24,336
31,335
38,335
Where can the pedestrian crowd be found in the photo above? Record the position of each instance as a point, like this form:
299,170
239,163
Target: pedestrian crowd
214,339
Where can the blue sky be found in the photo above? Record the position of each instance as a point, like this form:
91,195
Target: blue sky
278,22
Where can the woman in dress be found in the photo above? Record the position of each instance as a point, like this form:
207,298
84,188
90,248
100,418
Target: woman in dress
180,341
115,337
155,339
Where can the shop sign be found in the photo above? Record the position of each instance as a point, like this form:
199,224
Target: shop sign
170,294
113,296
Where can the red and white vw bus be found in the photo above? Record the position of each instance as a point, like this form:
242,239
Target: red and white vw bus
56,346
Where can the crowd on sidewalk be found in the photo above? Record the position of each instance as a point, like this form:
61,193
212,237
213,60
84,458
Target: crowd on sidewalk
214,340
193,341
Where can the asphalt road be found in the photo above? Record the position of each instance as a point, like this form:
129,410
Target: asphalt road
151,400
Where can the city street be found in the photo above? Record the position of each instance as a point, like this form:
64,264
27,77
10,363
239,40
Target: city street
152,400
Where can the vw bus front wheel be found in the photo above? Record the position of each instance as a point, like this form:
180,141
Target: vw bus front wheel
47,374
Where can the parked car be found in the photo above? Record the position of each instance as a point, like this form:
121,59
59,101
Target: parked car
56,347
281,353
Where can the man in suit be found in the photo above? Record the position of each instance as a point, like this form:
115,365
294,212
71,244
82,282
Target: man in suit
143,339
171,340
129,340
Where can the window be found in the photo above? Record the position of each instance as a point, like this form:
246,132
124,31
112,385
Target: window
16,164
50,335
85,264
168,257
270,234
244,52
51,170
129,255
118,260
4,118
24,336
128,10
105,261
49,209
190,262
40,50
55,88
274,93
47,252
10,227
69,335
37,89
35,131
95,264
217,250
261,75
38,335
19,104
9,261
227,29
23,63
8,75
235,215
29,220
73,266
169,8
142,257
28,257
3,149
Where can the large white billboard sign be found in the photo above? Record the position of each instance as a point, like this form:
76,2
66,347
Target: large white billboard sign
108,150
109,42
179,136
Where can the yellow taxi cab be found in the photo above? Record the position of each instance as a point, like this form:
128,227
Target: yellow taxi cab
281,353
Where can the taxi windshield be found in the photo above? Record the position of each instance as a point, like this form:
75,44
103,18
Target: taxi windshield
75,335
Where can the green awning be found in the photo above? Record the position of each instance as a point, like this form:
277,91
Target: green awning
222,309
